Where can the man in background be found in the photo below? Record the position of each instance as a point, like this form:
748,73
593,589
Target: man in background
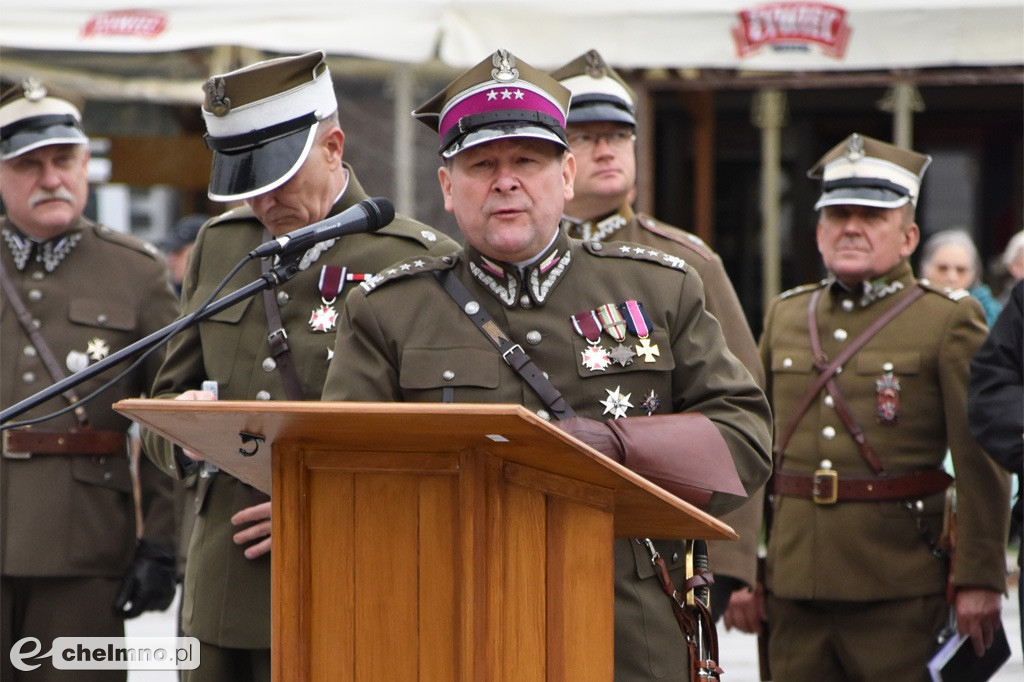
73,560
867,377
177,244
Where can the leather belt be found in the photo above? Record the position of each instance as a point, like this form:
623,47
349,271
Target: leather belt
25,442
825,486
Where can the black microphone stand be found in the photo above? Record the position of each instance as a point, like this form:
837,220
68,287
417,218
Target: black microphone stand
277,275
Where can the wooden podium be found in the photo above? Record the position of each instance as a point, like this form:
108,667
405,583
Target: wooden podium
431,542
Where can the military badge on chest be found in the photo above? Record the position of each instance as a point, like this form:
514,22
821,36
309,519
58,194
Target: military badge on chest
595,357
639,324
332,278
96,349
887,387
616,320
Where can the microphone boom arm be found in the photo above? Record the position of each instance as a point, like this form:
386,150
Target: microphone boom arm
276,276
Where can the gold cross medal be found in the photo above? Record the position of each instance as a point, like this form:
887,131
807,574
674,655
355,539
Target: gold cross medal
325,317
595,358
639,323
615,325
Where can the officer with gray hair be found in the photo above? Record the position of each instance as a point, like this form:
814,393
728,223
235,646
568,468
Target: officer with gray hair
74,292
277,147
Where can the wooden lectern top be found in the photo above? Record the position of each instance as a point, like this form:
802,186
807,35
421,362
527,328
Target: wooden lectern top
221,430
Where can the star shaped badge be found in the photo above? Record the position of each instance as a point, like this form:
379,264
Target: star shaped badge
97,349
622,355
616,403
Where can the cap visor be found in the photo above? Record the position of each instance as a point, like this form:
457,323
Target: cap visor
493,133
599,112
27,140
240,175
862,196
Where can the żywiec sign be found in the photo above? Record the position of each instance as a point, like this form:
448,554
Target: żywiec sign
792,26
140,23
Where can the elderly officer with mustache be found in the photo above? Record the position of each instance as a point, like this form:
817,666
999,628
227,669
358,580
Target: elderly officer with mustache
73,293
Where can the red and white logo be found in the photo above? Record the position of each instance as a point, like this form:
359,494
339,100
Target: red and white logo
792,25
141,23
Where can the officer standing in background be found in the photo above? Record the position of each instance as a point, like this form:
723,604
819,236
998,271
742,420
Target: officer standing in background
601,132
177,246
73,562
620,331
856,574
277,145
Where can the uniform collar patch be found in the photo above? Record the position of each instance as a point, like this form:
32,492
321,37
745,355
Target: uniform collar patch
871,292
527,286
50,253
599,229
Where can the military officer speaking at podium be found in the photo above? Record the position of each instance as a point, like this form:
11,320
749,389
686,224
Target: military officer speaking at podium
277,145
867,376
619,330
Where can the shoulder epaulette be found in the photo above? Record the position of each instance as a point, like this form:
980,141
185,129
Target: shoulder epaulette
802,289
237,213
407,268
128,241
945,292
413,229
678,235
634,252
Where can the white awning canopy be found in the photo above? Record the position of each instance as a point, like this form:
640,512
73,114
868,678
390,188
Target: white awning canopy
742,34
733,34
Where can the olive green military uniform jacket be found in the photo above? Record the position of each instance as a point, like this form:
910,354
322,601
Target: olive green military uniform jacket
386,352
737,559
226,596
74,515
873,550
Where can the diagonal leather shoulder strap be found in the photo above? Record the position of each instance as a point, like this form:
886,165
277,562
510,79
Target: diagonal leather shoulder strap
39,343
277,339
512,353
829,371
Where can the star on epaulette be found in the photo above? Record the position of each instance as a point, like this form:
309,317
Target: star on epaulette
635,251
407,268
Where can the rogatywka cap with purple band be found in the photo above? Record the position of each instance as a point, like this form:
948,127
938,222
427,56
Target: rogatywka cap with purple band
500,97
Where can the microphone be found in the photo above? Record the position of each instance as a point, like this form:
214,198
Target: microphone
368,215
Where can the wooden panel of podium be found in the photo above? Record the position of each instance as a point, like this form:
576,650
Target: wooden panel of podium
431,542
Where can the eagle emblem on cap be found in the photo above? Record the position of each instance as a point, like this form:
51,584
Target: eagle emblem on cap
504,70
855,147
33,89
220,104
595,65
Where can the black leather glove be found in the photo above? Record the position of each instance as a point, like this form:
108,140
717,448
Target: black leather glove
150,583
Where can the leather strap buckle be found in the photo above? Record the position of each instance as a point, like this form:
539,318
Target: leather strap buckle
825,486
506,356
12,454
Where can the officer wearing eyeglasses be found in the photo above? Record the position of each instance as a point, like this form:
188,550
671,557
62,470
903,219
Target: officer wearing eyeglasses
601,131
